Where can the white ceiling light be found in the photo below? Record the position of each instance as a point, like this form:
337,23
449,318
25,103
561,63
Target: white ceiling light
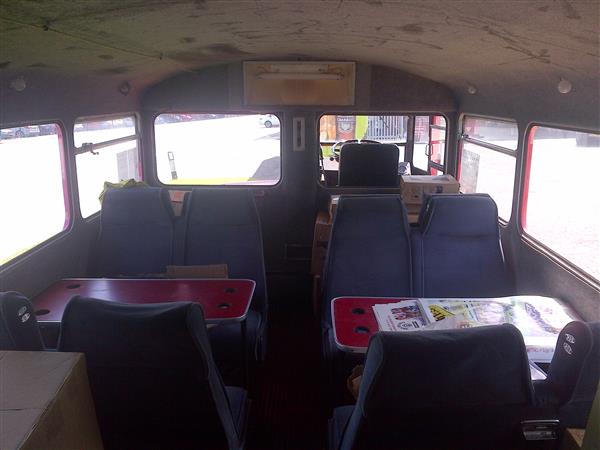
299,76
299,71
471,89
124,88
564,86
18,84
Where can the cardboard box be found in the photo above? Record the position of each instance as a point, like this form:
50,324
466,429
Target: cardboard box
333,203
414,186
322,231
45,402
413,210
320,242
413,218
318,260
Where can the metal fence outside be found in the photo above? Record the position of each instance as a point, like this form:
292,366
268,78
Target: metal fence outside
387,128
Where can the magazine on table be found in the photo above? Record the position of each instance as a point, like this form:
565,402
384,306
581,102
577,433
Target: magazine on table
540,319
402,316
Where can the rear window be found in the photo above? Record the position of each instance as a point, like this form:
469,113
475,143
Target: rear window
218,149
425,135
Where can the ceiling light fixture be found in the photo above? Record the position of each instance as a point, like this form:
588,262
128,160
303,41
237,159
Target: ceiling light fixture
300,70
124,88
471,89
564,86
299,76
18,84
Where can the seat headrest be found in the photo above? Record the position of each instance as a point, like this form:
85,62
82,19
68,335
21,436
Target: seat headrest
467,368
373,165
160,335
137,205
228,206
18,325
460,215
360,212
572,348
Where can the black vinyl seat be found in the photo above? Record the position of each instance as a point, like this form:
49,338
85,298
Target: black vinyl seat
467,388
572,348
223,227
19,329
136,232
152,376
368,255
457,251
575,412
368,165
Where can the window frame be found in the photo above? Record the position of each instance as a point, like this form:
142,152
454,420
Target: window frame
186,187
64,154
104,144
493,147
409,140
527,238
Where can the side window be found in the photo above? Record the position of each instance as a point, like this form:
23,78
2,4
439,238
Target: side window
33,191
430,144
563,214
106,150
218,149
487,160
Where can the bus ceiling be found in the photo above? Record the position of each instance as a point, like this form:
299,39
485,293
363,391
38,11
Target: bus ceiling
484,52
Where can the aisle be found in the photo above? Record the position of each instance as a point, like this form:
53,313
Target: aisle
289,408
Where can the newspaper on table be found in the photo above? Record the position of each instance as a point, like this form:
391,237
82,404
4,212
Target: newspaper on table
402,316
540,319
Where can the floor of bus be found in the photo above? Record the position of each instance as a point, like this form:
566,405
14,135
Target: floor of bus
290,407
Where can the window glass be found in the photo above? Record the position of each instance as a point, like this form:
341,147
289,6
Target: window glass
490,172
104,161
218,149
430,144
493,131
336,129
438,141
562,212
32,188
102,130
420,158
487,165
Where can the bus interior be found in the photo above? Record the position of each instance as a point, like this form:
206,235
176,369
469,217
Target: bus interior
277,142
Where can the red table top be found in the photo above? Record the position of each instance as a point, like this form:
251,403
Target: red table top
222,300
354,321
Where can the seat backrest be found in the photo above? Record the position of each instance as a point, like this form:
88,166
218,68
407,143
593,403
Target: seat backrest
19,329
575,413
151,373
223,227
136,232
572,348
372,165
457,250
437,389
369,250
